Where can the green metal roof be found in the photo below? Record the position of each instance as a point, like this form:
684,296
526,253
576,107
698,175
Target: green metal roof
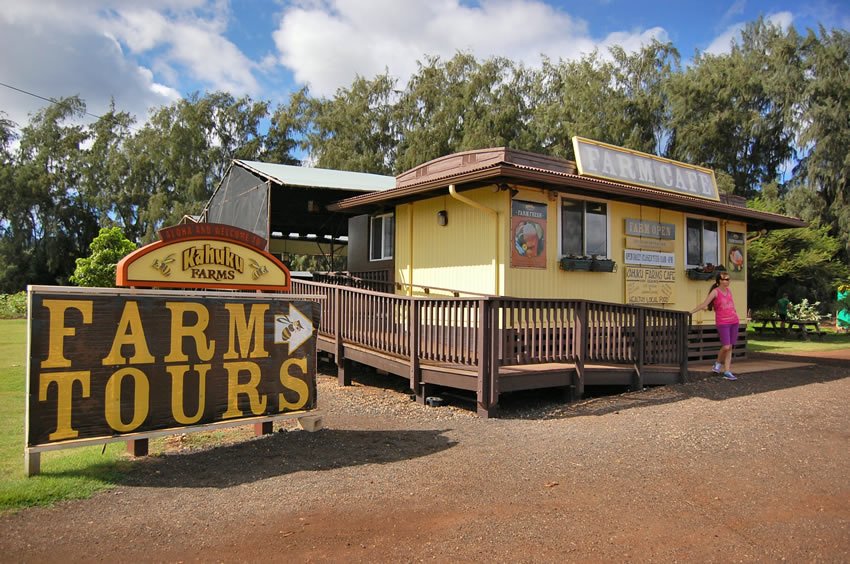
320,177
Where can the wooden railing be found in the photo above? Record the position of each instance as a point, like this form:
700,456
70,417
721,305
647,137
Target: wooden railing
517,331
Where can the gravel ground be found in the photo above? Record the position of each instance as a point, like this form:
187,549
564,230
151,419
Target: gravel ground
710,471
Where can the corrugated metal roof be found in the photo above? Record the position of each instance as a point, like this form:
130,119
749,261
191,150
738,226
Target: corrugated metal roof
320,177
417,189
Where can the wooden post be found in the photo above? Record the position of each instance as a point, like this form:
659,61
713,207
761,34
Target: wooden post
581,332
264,428
343,365
32,463
640,349
484,370
684,330
495,339
413,331
137,447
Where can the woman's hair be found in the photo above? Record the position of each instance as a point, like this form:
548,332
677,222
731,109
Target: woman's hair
713,286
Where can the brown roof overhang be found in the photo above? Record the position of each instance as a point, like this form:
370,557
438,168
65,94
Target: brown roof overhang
489,172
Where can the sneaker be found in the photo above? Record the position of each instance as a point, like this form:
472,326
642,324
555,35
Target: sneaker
729,376
716,368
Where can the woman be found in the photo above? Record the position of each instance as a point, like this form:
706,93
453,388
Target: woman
726,318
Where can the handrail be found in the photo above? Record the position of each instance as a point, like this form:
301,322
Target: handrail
523,330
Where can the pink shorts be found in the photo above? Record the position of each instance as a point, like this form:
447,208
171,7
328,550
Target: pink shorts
728,333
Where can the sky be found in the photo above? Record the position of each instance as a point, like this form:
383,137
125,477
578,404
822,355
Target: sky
144,54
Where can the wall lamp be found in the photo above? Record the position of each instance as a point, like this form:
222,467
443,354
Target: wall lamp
442,218
504,186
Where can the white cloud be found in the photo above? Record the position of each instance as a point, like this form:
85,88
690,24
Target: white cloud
143,56
723,43
326,43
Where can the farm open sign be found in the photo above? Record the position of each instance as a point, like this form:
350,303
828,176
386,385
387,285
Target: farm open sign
104,363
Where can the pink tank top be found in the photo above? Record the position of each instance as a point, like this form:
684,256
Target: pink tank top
724,308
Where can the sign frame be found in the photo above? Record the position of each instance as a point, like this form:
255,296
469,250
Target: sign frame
528,234
130,272
682,175
308,417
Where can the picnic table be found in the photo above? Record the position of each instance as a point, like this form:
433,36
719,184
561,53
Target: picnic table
774,325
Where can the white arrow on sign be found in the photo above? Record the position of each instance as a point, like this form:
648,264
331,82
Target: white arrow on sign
293,329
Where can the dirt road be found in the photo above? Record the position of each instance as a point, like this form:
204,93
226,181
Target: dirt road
710,471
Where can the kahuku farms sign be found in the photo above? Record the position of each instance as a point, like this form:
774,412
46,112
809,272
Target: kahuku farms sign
631,167
204,255
112,362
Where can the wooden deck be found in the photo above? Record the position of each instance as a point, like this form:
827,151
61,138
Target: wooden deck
494,345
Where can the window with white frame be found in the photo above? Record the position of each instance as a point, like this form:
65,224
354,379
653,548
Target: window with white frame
702,242
381,232
584,228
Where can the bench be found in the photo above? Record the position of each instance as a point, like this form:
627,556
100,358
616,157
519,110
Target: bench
803,328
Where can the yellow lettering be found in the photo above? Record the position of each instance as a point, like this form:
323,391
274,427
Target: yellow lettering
234,389
58,330
141,399
64,399
178,375
179,331
295,384
242,330
130,332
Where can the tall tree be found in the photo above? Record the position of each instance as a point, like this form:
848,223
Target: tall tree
642,77
183,151
286,129
735,112
47,220
354,130
107,171
824,135
463,104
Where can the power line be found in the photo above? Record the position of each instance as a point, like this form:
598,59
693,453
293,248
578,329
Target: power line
51,100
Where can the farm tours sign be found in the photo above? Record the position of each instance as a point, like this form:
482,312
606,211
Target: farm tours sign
103,363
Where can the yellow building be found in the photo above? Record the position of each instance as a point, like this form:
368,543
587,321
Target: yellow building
616,226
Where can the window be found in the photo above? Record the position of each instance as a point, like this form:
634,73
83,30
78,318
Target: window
703,243
381,231
584,228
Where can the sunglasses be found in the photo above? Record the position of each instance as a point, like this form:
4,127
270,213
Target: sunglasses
724,279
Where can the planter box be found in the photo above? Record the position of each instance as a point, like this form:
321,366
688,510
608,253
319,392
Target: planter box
603,265
575,264
695,274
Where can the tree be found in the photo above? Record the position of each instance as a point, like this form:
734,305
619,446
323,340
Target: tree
735,112
183,150
46,219
462,104
804,262
354,130
576,98
98,269
824,136
286,128
107,174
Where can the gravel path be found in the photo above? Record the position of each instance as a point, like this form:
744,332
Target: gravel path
711,471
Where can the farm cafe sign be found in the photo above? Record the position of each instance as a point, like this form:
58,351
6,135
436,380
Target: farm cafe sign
631,167
124,363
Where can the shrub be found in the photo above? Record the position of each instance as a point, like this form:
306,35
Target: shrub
13,306
98,270
804,311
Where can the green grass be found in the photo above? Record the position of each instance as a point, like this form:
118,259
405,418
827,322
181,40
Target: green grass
793,344
66,474
73,473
